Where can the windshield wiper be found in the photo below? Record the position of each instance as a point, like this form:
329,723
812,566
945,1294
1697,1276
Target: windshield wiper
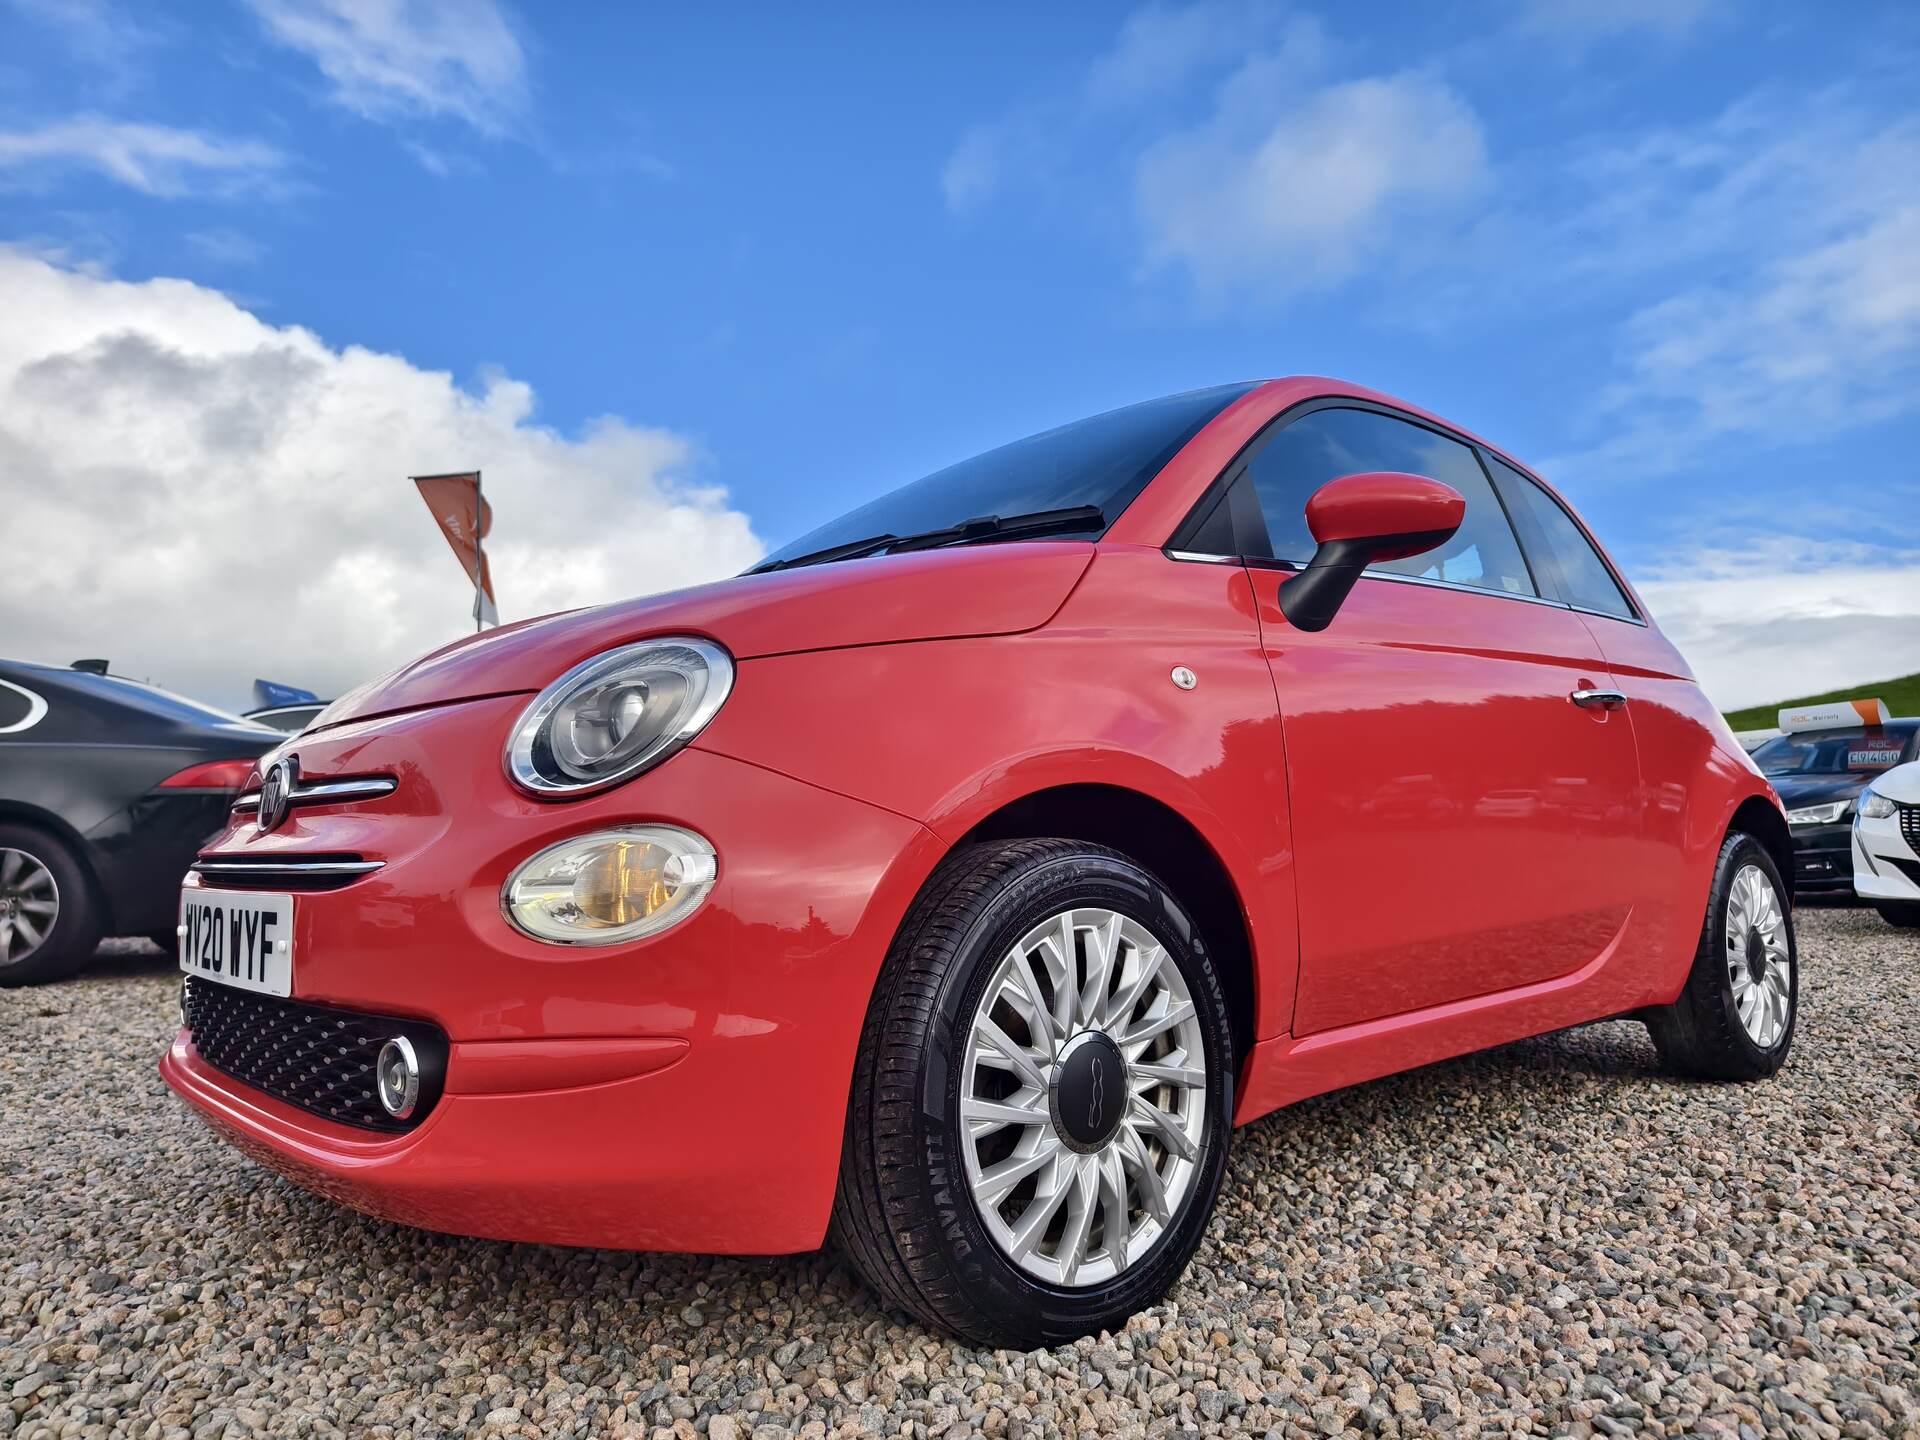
1067,520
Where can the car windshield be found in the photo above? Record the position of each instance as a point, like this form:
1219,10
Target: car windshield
1862,750
1102,463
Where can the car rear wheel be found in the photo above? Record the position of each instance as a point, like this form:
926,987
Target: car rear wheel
49,922
1734,1020
1905,915
1042,1100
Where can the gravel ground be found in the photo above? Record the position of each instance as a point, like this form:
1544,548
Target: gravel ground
1549,1238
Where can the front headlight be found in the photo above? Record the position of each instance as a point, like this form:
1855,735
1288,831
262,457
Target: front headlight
617,714
1875,806
611,886
1818,814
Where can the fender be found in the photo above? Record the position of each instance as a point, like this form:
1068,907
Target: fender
976,724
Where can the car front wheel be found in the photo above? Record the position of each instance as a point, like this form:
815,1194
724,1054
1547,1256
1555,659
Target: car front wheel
1735,1016
49,923
1041,1105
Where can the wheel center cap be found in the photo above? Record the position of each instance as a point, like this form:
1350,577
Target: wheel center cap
1756,955
1088,1098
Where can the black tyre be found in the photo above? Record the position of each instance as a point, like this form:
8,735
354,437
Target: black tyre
49,910
1042,1101
1904,914
1736,1016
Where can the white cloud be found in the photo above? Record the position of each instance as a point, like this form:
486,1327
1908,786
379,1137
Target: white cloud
98,31
217,498
226,247
1289,181
972,171
156,159
1825,339
1160,46
1288,187
1614,17
1784,616
1811,323
1106,110
389,59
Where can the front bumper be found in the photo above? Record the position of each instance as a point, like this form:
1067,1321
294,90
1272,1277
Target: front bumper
1886,865
1822,859
687,1092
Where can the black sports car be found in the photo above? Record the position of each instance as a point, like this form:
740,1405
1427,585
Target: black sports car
107,789
1820,774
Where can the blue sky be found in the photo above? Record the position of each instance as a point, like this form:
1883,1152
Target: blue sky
1669,252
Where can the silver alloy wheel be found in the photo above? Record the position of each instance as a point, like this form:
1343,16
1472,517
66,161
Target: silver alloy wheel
29,905
1072,1191
1759,959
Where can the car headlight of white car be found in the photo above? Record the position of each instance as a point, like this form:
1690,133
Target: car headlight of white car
613,716
1875,806
1819,814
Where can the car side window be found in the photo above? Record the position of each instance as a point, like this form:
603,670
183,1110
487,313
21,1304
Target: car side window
1323,445
1585,579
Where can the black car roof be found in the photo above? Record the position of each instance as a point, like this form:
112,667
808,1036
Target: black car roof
119,690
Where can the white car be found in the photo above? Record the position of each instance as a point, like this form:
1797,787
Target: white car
1886,845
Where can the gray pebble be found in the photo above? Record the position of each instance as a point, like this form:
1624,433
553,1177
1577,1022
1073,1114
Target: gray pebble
1552,1238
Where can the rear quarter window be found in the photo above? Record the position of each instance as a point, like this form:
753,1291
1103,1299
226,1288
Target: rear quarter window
1550,533
21,709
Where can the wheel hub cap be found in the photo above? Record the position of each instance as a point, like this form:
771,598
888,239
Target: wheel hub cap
29,905
1759,957
1083,1097
1088,1098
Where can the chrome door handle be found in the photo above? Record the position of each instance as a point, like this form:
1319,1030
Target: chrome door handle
1598,699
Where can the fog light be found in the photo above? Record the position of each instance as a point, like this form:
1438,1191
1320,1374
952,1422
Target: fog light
397,1076
612,886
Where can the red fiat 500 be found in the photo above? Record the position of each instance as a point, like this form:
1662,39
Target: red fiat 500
956,880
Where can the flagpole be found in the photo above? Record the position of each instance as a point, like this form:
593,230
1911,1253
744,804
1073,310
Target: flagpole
479,554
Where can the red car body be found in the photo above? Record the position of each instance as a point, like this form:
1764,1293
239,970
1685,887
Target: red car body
1550,863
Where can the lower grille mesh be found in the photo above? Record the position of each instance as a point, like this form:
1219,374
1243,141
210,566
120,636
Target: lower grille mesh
312,1056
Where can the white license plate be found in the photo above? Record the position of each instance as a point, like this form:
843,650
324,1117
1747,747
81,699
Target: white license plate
238,938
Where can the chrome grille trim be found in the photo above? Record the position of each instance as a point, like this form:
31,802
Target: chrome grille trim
326,792
284,872
285,867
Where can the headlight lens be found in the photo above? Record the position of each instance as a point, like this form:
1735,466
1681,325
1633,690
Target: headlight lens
611,886
1818,814
617,714
1875,806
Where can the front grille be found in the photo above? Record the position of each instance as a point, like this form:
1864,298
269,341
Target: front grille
1910,826
302,871
312,1056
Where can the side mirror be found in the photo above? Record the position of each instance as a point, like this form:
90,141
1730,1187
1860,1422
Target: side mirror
1360,520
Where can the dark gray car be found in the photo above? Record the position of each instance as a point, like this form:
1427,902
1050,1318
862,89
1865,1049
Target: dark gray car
108,788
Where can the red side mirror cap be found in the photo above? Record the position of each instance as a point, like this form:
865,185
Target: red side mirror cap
1391,513
1360,520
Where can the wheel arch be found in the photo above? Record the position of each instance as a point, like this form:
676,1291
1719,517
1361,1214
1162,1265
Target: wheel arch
18,812
1758,817
1156,835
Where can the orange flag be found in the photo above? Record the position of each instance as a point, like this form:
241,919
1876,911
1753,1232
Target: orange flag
465,519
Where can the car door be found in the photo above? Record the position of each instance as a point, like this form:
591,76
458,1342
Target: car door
1680,738
1460,823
